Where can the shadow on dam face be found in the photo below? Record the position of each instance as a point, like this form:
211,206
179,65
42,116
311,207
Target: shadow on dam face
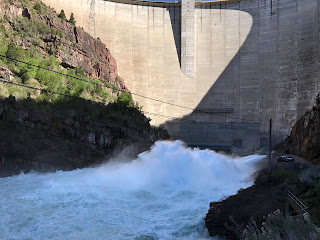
257,57
274,75
174,12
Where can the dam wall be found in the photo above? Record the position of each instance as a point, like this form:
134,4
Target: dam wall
252,60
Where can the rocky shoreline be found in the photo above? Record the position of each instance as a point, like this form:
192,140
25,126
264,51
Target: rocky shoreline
225,218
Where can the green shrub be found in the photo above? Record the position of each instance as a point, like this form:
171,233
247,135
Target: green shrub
27,28
80,72
278,227
124,99
91,88
42,27
17,91
105,95
36,42
56,31
3,48
43,97
24,3
27,71
4,33
75,87
15,52
4,90
53,31
50,80
37,6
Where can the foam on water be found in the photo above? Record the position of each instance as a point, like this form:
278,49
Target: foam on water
164,194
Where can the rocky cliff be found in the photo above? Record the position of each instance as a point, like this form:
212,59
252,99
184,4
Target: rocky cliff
44,136
38,32
304,139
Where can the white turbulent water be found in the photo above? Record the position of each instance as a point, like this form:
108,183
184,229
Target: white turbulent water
163,194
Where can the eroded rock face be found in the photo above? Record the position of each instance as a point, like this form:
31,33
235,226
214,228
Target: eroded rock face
45,139
6,74
72,46
26,13
10,11
86,52
304,139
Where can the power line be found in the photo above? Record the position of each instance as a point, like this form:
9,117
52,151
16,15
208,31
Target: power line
222,125
40,89
155,114
136,94
47,69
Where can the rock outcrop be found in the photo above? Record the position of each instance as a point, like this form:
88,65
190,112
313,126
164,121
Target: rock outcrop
48,137
304,139
6,74
71,45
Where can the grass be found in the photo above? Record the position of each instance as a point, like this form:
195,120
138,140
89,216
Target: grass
278,227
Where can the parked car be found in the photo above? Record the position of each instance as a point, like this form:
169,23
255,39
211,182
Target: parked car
285,158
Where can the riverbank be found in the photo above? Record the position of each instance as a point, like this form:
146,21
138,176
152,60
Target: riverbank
69,134
255,203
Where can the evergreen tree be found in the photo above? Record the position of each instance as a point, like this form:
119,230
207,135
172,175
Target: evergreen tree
62,15
72,20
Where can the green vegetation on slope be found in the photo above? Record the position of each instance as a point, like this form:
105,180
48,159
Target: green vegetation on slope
34,32
54,82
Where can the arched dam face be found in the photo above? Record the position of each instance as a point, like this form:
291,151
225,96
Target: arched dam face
238,63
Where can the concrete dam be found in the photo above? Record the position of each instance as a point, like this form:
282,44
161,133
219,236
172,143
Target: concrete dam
232,65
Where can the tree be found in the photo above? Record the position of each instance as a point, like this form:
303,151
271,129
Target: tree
72,20
62,15
318,99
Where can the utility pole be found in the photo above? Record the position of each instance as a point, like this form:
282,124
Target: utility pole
270,147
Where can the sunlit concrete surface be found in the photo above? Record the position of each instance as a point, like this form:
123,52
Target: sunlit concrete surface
259,57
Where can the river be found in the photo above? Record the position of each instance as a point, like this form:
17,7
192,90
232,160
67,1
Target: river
163,194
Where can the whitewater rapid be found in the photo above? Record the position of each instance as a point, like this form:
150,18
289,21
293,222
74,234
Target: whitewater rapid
163,194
